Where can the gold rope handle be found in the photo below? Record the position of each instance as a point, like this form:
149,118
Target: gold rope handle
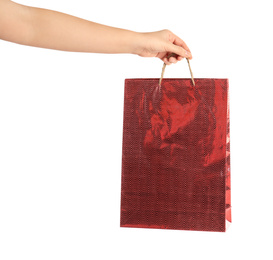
164,67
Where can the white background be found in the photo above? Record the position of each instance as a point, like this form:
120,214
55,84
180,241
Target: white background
61,117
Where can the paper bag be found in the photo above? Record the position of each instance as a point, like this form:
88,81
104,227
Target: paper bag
176,156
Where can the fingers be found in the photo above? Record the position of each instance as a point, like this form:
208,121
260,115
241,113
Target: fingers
171,58
179,47
180,51
169,61
178,41
174,45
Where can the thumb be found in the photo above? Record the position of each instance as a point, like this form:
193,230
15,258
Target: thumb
180,51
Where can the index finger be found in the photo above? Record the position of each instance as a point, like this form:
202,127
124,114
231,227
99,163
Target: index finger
178,41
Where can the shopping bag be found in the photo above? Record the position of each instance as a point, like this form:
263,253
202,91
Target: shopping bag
175,154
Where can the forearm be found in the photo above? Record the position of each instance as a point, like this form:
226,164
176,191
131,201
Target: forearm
54,30
60,31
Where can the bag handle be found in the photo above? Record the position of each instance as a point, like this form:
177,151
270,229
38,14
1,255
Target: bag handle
164,66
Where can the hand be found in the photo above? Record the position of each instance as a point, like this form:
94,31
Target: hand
54,30
161,44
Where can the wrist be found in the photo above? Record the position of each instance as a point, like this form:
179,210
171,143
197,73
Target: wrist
136,43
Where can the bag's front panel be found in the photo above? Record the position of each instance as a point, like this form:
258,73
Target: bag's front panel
174,154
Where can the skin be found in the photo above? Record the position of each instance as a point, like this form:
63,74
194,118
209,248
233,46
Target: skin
54,30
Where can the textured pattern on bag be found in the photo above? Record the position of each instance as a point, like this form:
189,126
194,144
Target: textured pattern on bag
176,159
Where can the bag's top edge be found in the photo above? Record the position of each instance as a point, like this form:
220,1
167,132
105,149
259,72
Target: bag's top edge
177,79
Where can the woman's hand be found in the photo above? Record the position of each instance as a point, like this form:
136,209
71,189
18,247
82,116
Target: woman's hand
54,30
161,44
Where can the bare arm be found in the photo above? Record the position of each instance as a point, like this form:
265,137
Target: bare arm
54,30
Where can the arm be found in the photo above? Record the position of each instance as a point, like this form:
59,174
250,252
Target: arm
54,30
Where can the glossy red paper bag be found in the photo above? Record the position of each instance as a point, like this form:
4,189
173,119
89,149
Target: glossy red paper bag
175,159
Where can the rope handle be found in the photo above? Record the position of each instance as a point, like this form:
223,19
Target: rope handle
164,66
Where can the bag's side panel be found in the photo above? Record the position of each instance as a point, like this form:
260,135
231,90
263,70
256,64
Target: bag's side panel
228,184
174,154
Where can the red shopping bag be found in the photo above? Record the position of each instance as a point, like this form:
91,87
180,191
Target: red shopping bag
175,158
